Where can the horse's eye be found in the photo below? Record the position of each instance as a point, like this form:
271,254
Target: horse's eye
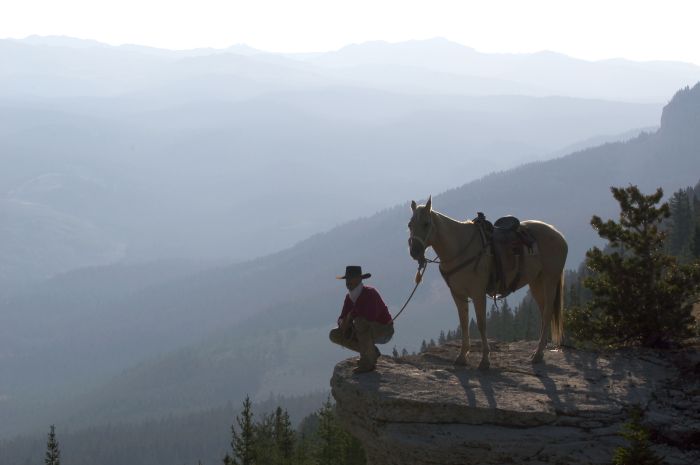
426,224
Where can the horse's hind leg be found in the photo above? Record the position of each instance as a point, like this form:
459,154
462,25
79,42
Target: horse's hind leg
542,293
463,311
480,310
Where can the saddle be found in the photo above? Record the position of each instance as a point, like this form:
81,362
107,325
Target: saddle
509,241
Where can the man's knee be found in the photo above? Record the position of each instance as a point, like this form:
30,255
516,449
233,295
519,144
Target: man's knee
383,334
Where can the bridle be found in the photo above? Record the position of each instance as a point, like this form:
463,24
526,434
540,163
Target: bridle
423,262
422,241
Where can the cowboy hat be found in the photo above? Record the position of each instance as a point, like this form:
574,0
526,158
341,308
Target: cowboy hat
354,271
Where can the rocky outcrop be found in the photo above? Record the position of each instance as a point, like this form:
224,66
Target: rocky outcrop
680,117
569,410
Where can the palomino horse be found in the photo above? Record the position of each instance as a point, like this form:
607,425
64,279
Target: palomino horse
466,265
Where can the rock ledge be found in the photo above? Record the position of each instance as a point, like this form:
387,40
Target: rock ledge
569,410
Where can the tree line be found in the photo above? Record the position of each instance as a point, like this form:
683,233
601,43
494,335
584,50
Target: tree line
270,439
503,322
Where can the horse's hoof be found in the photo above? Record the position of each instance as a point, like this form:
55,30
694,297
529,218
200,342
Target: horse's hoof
461,360
536,357
484,365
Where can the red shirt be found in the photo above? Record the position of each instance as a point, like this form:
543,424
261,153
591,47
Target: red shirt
369,305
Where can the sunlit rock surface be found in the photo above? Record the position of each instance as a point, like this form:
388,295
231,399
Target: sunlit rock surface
568,410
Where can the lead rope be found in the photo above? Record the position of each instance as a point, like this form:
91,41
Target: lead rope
419,278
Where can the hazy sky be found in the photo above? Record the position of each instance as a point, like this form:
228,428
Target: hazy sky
590,29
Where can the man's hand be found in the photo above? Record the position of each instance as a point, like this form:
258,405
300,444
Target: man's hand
346,325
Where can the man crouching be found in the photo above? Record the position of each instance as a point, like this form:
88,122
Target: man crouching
364,320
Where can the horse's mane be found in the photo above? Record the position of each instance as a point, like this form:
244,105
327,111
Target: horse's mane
450,218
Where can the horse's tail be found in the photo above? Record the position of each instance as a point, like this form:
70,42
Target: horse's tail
558,312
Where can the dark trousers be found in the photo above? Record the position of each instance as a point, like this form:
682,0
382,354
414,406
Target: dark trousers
361,338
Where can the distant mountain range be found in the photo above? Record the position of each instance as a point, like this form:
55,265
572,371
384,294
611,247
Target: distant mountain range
423,66
261,326
130,154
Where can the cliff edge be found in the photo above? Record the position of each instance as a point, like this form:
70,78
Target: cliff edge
569,410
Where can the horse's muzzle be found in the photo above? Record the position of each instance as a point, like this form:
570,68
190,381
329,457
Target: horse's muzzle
416,249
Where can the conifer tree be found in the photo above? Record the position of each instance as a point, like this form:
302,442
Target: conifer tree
532,319
284,437
334,445
331,444
473,330
264,445
640,294
302,451
682,224
695,243
507,322
243,440
53,453
494,324
394,352
639,451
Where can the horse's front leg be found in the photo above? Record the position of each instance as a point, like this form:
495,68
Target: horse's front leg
480,310
463,311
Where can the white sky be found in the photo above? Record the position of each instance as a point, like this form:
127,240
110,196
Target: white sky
589,29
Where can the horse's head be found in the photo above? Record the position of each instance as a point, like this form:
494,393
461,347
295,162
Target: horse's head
420,229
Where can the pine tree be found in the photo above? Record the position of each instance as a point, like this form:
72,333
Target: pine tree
243,440
640,294
53,453
695,243
473,330
639,451
264,445
395,353
404,352
302,451
443,338
334,445
284,437
507,322
682,224
331,444
493,323
423,346
529,318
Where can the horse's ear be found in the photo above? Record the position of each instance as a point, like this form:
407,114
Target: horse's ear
429,204
413,205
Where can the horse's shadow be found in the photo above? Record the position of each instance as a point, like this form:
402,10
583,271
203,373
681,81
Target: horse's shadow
489,382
